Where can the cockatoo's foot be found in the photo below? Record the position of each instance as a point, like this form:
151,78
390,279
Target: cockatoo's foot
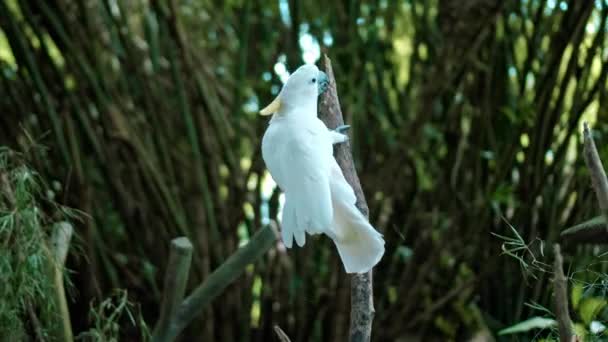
342,128
337,136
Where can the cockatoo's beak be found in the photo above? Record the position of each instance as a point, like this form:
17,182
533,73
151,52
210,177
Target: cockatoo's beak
323,82
272,108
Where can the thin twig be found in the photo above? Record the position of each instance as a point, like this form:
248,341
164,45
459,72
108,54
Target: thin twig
560,287
35,323
281,334
598,175
361,290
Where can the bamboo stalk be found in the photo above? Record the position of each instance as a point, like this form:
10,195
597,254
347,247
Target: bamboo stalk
361,288
57,252
21,43
175,318
176,279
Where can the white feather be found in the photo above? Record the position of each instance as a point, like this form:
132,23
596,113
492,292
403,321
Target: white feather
360,246
298,155
288,224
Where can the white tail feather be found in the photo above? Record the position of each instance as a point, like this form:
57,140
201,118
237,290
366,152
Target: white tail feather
289,228
360,246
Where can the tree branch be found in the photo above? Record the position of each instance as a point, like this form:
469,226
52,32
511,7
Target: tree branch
361,287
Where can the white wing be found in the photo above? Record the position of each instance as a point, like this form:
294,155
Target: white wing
273,151
308,169
299,161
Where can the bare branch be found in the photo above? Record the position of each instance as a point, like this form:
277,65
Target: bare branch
598,175
361,290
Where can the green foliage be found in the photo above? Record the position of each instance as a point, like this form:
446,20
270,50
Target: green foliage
24,265
590,308
587,299
110,316
576,294
528,255
529,324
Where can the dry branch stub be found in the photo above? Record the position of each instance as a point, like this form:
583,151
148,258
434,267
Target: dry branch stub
561,299
176,279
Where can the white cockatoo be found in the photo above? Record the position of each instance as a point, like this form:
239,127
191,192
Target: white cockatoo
297,149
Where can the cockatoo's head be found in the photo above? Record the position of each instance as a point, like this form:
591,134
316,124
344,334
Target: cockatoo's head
301,89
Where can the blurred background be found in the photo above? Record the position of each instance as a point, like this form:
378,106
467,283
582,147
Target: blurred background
466,119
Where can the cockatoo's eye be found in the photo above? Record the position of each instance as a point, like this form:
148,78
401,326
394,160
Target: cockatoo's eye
314,80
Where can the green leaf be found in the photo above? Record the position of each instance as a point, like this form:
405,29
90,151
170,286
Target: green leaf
576,295
529,324
590,307
580,331
597,222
